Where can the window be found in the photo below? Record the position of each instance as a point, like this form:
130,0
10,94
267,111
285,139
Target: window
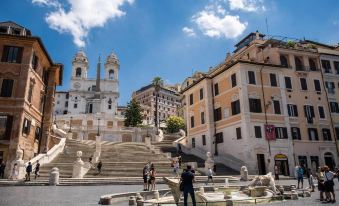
35,61
111,74
234,80
288,83
295,132
273,79
336,67
321,112
75,106
216,89
281,133
292,110
6,88
203,139
313,134
12,54
330,87
334,107
201,93
309,113
235,106
327,134
313,65
255,105
283,61
66,104
326,66
191,99
202,117
298,64
317,85
303,84
6,122
337,132
217,114
238,131
193,142
192,122
37,133
109,106
78,72
26,127
219,137
251,77
30,92
276,105
257,131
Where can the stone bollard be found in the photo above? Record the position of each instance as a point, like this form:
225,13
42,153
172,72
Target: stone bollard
227,184
201,190
140,200
156,195
132,201
54,176
243,173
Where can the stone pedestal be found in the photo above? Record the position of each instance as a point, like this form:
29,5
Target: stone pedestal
209,163
54,176
78,167
132,201
20,166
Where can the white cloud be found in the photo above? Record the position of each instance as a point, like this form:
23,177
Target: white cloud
247,5
213,24
189,31
82,15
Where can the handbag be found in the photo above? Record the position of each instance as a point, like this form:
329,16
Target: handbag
181,185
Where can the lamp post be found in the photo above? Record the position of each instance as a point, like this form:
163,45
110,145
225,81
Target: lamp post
70,125
98,134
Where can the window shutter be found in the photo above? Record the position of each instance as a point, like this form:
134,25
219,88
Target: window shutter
19,56
312,111
285,132
295,108
305,110
5,54
9,124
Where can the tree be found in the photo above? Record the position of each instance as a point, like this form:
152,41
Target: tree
157,83
133,115
174,124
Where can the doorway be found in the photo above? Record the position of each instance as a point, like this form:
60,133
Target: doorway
329,160
281,161
261,164
90,108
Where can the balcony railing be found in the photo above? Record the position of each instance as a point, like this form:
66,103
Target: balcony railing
305,69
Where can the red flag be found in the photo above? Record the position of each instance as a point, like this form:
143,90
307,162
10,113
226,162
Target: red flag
269,132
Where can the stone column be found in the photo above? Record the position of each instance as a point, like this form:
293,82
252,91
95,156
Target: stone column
48,110
97,149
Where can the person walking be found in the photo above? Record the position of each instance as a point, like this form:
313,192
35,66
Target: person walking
145,177
37,170
329,184
187,178
152,177
28,171
321,186
300,174
180,160
209,176
176,168
2,169
311,180
99,166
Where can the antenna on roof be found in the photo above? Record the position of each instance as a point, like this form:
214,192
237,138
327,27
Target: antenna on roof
266,26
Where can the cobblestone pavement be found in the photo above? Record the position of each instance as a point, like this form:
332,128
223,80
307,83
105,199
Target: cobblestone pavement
89,195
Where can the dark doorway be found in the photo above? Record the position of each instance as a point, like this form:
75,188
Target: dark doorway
90,108
281,161
261,164
329,160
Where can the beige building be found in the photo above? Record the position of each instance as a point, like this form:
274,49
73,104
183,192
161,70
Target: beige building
28,78
169,101
265,105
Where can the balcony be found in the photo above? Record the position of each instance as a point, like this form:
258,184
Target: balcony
302,68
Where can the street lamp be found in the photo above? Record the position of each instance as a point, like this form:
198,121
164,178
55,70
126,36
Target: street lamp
70,125
98,134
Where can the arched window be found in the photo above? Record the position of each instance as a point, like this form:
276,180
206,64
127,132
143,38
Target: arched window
78,72
283,61
111,74
109,103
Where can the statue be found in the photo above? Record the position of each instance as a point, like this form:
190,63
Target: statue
264,180
209,163
18,170
244,173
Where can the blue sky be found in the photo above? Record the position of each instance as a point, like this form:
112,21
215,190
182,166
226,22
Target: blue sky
167,38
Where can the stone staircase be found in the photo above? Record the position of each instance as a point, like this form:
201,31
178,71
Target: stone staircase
128,159
167,146
64,161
